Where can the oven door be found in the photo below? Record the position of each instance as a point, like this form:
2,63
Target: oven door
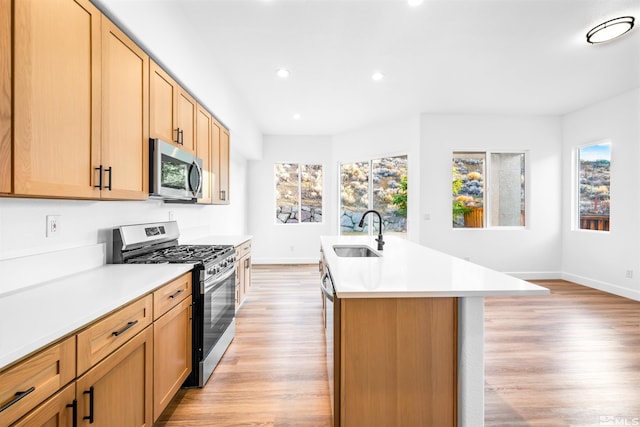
218,310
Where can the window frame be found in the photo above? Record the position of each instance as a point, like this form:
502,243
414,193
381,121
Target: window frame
370,192
487,185
575,188
275,199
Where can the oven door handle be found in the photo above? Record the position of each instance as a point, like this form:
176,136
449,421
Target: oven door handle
218,280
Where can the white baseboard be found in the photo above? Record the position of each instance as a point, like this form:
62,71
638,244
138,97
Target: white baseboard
603,286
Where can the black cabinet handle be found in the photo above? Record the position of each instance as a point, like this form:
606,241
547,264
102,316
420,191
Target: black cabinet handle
110,170
176,294
123,330
19,396
74,411
90,416
223,195
99,186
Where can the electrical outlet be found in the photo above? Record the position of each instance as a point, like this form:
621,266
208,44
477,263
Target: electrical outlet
53,226
171,216
629,274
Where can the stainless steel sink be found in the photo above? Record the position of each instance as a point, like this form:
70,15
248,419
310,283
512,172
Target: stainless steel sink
355,251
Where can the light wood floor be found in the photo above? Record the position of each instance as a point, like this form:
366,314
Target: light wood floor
559,360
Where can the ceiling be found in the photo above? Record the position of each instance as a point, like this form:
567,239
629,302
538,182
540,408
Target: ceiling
444,56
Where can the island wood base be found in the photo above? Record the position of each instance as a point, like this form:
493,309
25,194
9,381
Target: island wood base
396,362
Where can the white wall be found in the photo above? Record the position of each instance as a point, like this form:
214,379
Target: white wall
396,137
86,223
288,243
601,259
531,252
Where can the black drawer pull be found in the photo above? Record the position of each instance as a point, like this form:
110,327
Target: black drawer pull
176,294
123,330
19,396
90,416
74,411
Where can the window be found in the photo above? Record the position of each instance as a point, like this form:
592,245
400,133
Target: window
594,181
379,184
488,189
298,193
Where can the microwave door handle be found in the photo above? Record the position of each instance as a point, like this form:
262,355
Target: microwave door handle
199,171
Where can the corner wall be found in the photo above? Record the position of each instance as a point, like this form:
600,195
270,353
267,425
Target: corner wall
600,259
533,252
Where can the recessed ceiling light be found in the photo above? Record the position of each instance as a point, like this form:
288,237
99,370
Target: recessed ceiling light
415,2
297,116
377,76
283,73
610,30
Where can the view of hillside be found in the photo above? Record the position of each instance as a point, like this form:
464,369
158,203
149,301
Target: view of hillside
595,180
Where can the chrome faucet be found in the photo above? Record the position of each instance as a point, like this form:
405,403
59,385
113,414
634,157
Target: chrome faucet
379,239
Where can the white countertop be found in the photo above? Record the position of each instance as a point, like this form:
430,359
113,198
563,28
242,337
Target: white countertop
220,240
34,317
409,270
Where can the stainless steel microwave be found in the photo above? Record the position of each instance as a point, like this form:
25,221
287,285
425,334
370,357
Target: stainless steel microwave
173,172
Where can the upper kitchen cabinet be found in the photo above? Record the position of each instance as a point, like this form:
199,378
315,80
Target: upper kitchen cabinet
5,96
220,163
56,98
80,118
203,150
125,116
172,110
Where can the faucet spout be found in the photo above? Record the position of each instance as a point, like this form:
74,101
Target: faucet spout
379,239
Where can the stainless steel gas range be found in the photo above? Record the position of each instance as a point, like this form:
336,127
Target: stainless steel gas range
213,285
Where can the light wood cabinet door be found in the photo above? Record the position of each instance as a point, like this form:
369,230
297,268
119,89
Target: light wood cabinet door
6,172
55,412
163,107
172,354
220,163
398,359
187,108
203,150
56,98
224,167
125,116
121,387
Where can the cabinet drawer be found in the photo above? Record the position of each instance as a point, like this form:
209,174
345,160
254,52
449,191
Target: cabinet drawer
170,295
243,249
106,335
57,411
35,379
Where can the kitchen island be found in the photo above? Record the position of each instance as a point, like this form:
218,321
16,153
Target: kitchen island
407,332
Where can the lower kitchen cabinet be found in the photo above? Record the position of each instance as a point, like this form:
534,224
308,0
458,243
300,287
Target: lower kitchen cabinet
117,391
58,411
395,361
172,354
243,271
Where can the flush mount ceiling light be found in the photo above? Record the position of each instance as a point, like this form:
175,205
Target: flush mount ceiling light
610,30
415,3
377,76
283,73
297,116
